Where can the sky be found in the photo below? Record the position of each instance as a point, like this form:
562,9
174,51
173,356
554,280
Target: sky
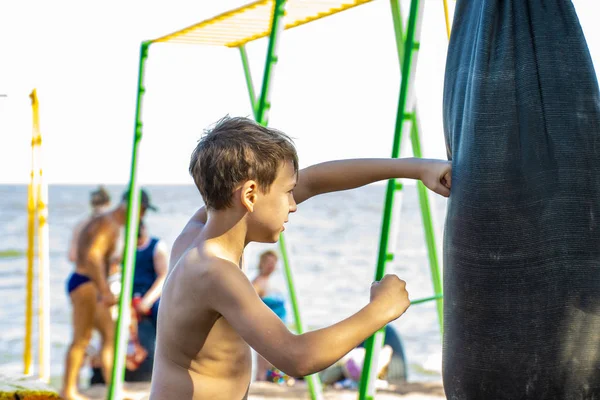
335,88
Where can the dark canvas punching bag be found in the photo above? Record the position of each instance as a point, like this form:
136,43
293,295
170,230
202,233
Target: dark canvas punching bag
522,236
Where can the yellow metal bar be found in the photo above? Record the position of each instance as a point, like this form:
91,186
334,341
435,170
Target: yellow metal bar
295,18
447,17
31,225
195,42
211,21
251,22
43,251
323,14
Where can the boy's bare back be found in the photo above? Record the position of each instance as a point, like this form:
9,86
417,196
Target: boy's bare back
200,355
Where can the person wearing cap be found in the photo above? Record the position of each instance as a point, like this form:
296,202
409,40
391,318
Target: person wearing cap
151,266
146,204
90,293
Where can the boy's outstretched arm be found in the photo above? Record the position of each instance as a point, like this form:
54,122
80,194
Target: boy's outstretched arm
333,176
232,296
339,175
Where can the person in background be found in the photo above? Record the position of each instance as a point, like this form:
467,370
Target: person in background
151,266
90,292
99,203
272,298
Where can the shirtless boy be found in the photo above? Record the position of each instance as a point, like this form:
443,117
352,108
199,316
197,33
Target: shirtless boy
210,314
96,251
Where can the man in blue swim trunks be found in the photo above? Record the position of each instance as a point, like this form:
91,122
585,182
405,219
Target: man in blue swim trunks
90,293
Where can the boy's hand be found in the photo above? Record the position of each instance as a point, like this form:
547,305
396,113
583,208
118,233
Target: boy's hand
437,176
390,296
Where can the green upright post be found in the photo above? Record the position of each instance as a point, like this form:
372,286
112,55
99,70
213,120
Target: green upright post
261,107
248,76
131,231
375,342
277,26
436,275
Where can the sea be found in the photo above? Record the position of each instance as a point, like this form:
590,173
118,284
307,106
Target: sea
332,243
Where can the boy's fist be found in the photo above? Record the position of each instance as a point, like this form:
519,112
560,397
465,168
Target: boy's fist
390,295
437,176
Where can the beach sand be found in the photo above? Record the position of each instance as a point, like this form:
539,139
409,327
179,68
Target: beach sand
265,390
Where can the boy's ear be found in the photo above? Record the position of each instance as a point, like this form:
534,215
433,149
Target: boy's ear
249,194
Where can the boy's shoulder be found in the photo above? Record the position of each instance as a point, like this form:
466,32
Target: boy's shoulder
205,280
198,264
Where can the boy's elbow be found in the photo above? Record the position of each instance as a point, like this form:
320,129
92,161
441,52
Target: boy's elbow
297,368
299,362
304,368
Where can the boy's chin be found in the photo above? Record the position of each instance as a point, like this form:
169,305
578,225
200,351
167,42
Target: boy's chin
273,239
276,236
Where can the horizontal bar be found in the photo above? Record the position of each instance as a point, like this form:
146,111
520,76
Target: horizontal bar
426,299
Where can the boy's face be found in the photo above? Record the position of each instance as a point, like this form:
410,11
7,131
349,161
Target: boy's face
271,209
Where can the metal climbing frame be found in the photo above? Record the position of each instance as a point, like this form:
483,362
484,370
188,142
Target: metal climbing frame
408,43
234,29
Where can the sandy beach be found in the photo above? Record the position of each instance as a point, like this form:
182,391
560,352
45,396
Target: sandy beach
27,387
265,390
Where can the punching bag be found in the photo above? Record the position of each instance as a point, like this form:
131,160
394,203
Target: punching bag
522,234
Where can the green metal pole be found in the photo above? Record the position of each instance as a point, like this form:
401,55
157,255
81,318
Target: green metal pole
261,109
399,33
131,230
248,75
375,342
292,290
277,26
426,299
314,382
436,275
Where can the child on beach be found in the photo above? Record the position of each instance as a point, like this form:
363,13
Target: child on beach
210,314
271,297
